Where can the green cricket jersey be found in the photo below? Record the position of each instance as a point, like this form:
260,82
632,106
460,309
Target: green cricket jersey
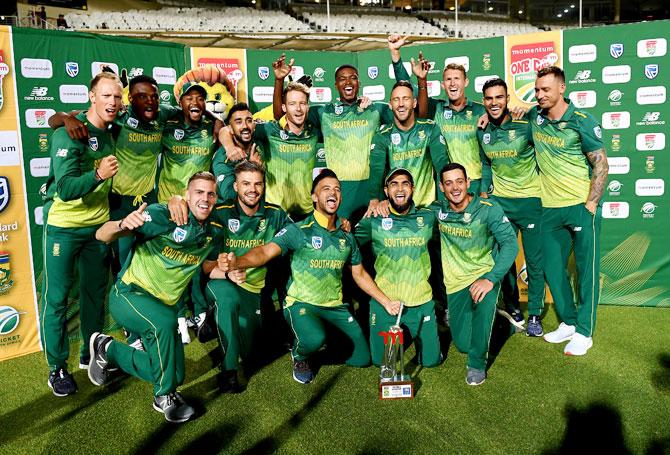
319,255
79,199
137,149
166,256
478,242
400,246
459,128
245,232
560,146
224,171
289,163
347,134
419,150
508,151
187,149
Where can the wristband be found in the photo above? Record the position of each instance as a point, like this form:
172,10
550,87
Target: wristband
121,227
97,176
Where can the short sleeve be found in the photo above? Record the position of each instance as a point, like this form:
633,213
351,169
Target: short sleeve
355,257
289,238
363,231
591,134
156,222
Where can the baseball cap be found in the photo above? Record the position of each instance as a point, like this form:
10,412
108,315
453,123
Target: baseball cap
190,85
398,170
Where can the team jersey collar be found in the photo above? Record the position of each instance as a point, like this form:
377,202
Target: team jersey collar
322,220
91,127
412,209
566,115
505,125
259,213
470,208
468,103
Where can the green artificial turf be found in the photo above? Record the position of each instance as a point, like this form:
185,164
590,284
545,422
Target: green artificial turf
535,400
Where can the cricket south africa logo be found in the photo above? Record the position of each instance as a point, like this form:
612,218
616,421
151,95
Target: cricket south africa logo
525,61
6,281
9,319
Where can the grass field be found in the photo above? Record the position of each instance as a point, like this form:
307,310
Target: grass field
535,400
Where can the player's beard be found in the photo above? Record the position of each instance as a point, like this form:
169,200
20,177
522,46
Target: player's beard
242,142
401,208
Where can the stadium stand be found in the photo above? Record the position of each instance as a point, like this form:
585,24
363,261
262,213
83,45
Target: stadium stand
371,23
480,28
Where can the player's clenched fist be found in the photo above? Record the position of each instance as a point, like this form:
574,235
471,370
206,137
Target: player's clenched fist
226,262
134,219
108,167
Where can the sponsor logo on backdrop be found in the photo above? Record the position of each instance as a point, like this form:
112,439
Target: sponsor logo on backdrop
319,74
615,97
460,60
618,74
320,94
616,143
582,77
616,50
614,188
43,141
39,94
373,72
649,187
134,72
656,47
582,54
39,167
262,94
650,95
583,99
5,193
486,62
36,68
73,94
618,164
72,69
164,75
650,119
375,92
4,70
616,120
648,209
481,80
9,148
9,320
650,141
650,165
231,66
297,72
615,210
263,72
526,60
165,96
408,68
6,283
37,118
651,71
434,88
38,213
96,68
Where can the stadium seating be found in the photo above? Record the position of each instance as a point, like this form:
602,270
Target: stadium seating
371,23
476,28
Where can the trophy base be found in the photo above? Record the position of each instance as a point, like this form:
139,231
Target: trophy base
395,390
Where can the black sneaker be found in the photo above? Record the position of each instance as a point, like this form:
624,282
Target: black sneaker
534,327
98,366
174,407
84,360
62,383
302,372
228,382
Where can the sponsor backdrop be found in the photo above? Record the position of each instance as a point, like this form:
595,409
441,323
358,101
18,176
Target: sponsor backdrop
18,309
617,73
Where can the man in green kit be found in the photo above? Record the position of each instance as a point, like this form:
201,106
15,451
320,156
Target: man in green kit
478,248
164,259
415,145
347,129
80,177
249,221
321,249
456,116
402,265
573,172
508,157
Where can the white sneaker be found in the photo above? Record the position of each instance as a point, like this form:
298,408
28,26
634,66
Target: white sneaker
183,330
579,345
564,332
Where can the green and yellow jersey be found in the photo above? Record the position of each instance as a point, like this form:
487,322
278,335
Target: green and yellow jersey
166,256
420,150
478,242
508,154
561,147
400,245
79,198
186,149
318,258
245,232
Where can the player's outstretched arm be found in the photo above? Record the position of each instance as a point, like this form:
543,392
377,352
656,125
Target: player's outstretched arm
112,230
281,70
367,284
255,257
598,160
395,42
